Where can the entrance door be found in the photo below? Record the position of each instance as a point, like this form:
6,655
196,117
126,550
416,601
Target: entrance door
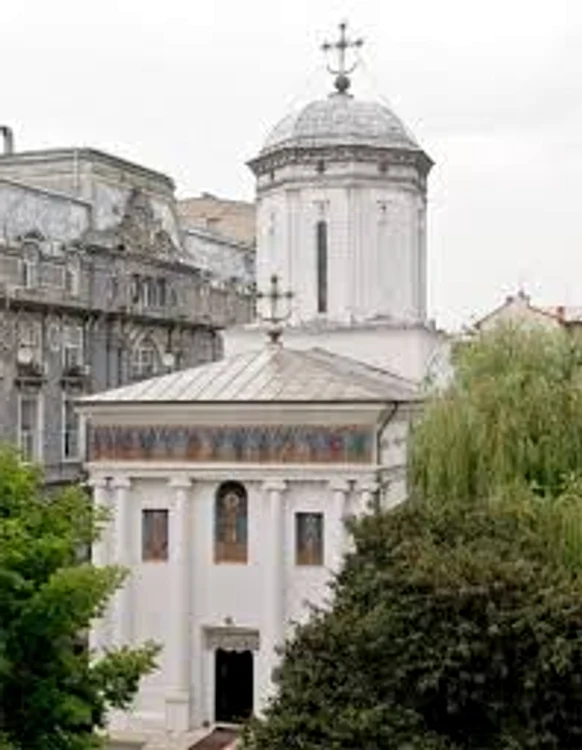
234,686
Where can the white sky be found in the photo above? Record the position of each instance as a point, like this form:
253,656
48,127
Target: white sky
493,91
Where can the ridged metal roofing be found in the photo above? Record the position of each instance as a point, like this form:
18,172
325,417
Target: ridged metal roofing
272,374
340,120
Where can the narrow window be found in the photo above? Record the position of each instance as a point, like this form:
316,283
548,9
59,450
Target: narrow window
70,429
230,524
29,267
72,276
309,538
154,535
72,347
321,266
28,426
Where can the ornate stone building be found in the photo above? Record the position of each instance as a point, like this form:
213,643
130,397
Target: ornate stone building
100,285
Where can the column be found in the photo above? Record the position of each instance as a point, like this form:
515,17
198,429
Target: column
99,636
273,633
180,655
366,490
338,535
121,607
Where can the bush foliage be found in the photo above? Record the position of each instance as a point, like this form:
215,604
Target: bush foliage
456,621
53,695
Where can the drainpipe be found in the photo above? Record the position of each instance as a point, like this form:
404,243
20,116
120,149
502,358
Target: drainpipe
8,139
386,416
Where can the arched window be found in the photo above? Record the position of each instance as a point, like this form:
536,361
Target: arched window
230,523
145,360
321,240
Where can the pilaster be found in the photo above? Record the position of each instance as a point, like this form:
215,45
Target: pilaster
274,597
122,556
366,492
338,536
101,629
180,657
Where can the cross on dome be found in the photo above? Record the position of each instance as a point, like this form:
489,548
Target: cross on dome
342,81
274,319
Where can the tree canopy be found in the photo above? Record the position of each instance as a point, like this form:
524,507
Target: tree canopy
456,621
53,694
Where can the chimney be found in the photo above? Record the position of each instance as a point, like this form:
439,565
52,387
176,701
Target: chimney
8,138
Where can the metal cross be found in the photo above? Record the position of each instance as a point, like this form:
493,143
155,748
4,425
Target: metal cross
342,82
274,296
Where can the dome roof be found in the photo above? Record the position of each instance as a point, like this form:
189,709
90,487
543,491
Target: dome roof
340,120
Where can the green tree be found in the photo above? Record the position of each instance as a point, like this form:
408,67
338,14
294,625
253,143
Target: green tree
53,694
457,619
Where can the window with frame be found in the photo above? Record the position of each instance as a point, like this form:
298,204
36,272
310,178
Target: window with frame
29,441
72,346
309,539
154,535
29,267
70,434
230,524
321,239
29,337
144,360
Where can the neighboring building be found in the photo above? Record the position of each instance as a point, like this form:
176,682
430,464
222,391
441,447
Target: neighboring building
229,483
227,218
99,286
519,310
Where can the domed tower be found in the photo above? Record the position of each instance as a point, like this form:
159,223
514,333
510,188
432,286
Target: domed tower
341,209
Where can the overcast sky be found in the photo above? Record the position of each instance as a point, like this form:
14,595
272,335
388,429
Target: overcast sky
492,90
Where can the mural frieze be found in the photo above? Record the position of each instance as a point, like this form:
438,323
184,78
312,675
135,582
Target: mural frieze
254,444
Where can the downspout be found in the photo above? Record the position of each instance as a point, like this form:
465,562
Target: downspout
386,416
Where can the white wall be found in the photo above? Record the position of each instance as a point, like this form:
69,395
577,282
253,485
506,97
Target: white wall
221,593
405,351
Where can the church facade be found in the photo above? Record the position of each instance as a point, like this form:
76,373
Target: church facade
229,486
230,483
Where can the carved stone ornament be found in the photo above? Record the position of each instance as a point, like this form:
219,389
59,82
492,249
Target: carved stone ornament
139,231
232,638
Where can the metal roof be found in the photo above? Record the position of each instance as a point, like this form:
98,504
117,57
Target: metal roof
272,374
340,120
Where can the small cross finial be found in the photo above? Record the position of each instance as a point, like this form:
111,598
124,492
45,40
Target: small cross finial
342,73
274,319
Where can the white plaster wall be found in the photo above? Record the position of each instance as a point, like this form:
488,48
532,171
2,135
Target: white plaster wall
376,246
405,351
218,592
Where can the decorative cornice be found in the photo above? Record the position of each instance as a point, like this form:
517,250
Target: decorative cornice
263,164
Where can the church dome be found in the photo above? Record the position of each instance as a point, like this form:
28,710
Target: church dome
340,120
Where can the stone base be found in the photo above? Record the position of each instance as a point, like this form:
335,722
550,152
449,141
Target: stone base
178,713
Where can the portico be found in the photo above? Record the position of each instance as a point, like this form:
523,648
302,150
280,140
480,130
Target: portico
229,486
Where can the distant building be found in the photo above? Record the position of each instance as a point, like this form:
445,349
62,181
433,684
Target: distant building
518,309
100,285
235,219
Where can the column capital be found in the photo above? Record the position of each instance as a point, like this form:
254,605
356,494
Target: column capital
368,485
275,485
98,482
180,482
337,484
121,483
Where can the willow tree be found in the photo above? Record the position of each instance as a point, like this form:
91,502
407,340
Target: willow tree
456,622
513,411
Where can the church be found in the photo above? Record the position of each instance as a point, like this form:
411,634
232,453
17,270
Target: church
229,483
